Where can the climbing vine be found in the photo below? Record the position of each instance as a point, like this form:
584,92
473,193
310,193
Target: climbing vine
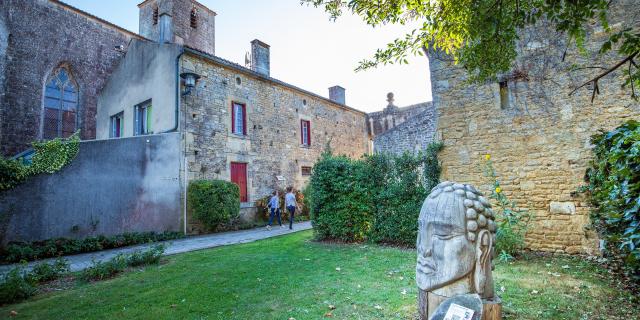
614,188
49,157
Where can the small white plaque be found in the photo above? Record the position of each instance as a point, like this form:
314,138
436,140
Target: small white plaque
458,312
280,178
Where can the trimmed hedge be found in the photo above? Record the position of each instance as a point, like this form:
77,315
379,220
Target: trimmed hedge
377,198
27,251
614,186
213,202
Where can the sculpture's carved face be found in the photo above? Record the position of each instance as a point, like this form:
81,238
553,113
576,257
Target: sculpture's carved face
456,233
444,252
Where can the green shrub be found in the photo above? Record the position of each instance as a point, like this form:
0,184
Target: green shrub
512,221
339,207
213,202
15,287
18,251
377,198
44,272
104,270
614,187
140,258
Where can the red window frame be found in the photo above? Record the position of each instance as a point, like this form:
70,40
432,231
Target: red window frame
244,118
308,132
239,177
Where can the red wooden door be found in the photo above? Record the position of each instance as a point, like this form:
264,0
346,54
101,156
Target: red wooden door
239,177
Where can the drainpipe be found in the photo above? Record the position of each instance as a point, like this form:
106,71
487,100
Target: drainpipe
174,129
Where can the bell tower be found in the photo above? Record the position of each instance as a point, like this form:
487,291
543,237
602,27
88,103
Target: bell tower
184,22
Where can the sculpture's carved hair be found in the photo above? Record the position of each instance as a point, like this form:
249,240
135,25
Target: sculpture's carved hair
478,213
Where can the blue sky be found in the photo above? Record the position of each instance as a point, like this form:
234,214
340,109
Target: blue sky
307,49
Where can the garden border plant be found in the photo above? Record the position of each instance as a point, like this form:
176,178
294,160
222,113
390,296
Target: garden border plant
28,251
19,284
512,221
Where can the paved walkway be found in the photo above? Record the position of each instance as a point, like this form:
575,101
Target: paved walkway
82,261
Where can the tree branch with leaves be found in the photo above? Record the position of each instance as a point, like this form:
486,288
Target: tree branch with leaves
481,35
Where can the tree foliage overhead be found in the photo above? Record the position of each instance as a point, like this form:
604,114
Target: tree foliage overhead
481,35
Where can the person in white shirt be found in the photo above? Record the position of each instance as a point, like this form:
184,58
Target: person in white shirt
290,203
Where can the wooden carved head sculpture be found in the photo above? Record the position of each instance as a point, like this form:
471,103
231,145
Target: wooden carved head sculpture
456,236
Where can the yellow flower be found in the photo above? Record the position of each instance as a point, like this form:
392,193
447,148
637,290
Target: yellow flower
498,190
487,157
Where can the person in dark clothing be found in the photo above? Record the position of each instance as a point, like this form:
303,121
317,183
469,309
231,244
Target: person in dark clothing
290,203
274,206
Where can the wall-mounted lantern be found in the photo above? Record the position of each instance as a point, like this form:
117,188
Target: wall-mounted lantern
190,80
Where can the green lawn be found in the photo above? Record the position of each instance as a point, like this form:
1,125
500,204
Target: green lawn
294,277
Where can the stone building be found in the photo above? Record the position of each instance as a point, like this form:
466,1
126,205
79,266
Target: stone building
238,123
536,132
413,135
182,113
392,116
40,57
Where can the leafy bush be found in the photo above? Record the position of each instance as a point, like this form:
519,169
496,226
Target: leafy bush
44,272
105,270
18,251
377,198
49,157
15,287
340,208
140,258
614,187
512,221
213,202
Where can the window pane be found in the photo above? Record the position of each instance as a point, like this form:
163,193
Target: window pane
149,119
239,119
51,103
305,131
62,76
52,91
68,123
50,125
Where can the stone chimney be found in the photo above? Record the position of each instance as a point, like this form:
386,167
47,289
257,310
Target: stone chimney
336,93
165,32
260,57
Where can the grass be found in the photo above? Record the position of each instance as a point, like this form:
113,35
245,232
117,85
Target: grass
294,277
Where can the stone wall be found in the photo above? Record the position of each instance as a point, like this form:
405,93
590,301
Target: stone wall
537,134
43,35
392,116
272,144
111,187
412,135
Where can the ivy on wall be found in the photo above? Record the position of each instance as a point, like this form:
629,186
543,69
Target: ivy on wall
614,188
49,157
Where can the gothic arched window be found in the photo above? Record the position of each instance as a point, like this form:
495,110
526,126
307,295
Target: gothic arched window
60,105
